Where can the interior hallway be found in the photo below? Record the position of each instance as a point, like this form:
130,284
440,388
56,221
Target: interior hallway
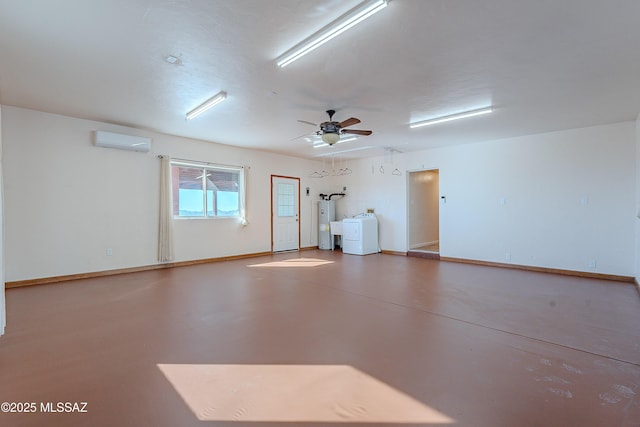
472,345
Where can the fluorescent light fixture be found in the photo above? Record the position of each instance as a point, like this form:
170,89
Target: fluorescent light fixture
451,117
214,100
335,28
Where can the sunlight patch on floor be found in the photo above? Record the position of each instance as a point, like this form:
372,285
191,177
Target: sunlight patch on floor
295,262
293,393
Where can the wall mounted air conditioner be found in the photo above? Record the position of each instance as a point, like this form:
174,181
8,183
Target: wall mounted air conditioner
123,142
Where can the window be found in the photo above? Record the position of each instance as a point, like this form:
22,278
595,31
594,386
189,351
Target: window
286,199
201,191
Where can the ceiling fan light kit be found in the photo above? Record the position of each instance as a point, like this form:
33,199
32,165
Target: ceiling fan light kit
331,138
458,116
335,28
331,132
214,100
317,141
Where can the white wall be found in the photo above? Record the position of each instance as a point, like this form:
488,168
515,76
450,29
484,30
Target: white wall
67,201
569,199
372,185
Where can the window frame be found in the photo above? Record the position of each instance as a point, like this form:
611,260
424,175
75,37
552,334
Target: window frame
204,167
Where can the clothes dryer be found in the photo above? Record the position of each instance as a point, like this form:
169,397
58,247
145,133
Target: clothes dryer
360,235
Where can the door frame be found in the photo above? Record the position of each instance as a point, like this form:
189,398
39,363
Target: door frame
297,207
409,196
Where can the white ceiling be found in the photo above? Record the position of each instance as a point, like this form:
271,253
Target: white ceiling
544,65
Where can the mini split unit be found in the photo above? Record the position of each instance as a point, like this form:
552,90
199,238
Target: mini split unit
122,142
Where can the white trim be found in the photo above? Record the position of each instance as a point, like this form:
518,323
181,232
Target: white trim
240,170
196,164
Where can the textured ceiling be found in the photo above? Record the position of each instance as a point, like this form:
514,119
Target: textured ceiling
545,65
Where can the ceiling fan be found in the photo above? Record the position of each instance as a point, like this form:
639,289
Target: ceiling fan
330,131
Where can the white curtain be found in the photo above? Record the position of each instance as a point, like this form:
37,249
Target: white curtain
3,312
165,230
243,200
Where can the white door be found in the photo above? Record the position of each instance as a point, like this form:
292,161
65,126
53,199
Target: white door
285,215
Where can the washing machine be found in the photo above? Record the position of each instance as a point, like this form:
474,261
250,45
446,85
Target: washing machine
360,235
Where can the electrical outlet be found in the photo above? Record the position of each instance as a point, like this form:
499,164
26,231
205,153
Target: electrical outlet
109,252
592,264
507,256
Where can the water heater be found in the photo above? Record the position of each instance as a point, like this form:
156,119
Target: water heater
326,214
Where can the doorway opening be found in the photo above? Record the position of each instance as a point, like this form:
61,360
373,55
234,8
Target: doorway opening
424,213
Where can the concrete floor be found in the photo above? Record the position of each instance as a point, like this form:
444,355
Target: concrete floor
321,338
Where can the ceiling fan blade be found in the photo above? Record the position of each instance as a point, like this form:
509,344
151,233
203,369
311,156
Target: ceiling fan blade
349,122
306,122
357,132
